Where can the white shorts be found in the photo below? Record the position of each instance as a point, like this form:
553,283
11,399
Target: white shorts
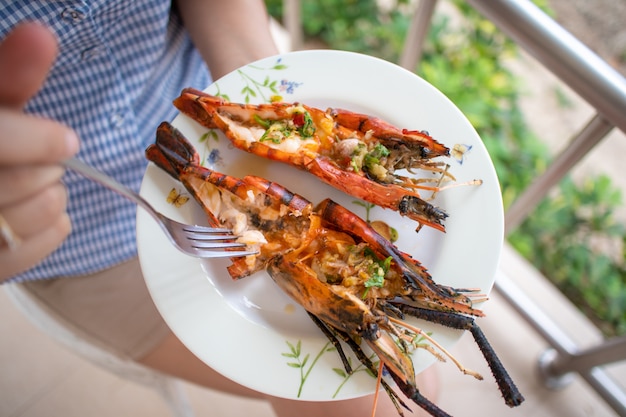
111,308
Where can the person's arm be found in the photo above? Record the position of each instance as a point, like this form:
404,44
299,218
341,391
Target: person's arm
228,34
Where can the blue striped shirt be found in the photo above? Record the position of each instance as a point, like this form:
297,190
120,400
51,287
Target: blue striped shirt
121,64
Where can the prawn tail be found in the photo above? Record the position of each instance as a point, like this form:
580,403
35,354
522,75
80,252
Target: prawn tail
171,151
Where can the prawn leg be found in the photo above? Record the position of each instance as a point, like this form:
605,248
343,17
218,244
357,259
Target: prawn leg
512,396
407,388
414,394
332,334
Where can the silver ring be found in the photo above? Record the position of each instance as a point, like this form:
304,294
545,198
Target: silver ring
8,235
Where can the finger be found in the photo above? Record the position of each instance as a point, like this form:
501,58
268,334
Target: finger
22,182
32,250
26,56
28,139
38,213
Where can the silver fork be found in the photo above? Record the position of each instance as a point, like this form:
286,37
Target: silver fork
198,241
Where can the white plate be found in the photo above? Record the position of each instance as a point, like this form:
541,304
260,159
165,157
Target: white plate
244,329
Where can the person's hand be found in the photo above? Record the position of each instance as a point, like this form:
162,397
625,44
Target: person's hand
32,198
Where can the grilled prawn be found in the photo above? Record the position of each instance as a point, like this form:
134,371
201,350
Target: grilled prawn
354,284
355,153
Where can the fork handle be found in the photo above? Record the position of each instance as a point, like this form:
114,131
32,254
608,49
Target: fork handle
101,178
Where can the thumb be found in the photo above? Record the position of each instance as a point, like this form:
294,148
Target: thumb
26,56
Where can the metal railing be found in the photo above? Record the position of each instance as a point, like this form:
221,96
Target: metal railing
604,89
601,87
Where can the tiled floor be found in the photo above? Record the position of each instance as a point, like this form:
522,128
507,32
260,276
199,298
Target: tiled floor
41,378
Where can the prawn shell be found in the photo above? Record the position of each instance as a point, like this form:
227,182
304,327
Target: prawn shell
419,285
389,133
302,285
211,112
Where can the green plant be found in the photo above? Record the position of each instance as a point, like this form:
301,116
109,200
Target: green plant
571,233
352,25
574,239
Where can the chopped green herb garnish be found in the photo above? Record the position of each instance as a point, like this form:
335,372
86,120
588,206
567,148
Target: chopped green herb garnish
356,161
265,123
377,270
374,156
308,128
276,133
